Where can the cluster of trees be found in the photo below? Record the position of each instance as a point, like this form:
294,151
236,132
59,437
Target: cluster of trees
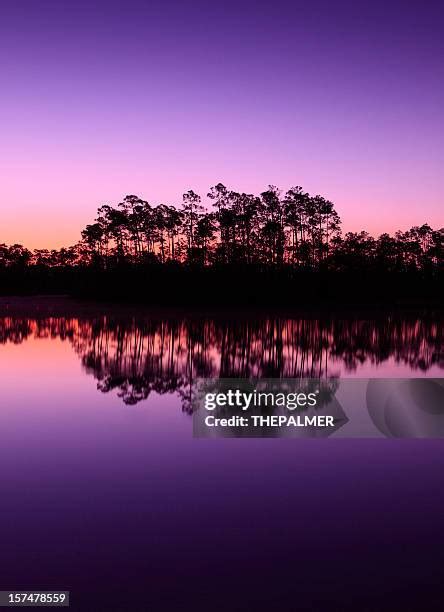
240,227
272,229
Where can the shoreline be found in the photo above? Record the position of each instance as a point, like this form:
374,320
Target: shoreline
60,305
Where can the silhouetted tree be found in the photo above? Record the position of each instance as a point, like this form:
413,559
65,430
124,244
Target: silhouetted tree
192,209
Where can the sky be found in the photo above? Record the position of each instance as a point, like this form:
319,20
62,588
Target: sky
102,99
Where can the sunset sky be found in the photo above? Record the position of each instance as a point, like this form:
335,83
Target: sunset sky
101,99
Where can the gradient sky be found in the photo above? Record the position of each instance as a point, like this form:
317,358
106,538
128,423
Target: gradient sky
101,99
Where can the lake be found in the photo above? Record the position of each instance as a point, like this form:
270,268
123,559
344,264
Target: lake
106,493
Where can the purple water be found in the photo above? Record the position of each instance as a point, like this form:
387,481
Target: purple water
105,492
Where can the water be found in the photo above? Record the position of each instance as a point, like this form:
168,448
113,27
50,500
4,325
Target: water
105,492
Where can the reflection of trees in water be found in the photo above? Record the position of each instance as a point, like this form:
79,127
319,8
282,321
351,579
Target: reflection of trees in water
137,356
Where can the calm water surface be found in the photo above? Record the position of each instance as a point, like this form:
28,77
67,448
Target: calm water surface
105,492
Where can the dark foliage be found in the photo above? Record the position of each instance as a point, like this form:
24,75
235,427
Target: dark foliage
271,248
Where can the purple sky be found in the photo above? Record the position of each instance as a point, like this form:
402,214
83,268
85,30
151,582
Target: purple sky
103,99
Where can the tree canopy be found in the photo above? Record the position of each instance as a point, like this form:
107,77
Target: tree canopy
270,229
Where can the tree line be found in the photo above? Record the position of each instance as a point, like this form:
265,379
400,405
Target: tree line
273,229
